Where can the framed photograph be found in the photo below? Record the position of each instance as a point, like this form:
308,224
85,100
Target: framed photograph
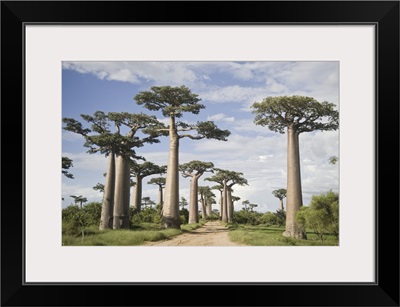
62,59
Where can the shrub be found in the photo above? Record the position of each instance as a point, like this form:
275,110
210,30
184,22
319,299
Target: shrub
322,216
147,215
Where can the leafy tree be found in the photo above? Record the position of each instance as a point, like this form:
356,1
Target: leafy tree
79,199
147,202
227,179
206,195
140,171
322,216
295,114
280,194
183,203
251,206
210,200
65,165
99,187
173,102
220,188
160,182
194,169
246,203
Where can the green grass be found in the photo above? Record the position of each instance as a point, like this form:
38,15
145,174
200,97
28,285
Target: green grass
122,237
272,236
191,227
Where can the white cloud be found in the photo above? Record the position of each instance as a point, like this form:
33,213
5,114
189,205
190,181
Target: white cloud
171,73
221,117
231,94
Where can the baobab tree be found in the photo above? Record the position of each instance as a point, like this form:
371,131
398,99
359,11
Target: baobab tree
246,203
140,171
99,139
194,169
183,203
220,188
173,102
119,150
146,201
99,187
160,182
280,194
79,199
295,114
206,196
252,206
227,179
210,200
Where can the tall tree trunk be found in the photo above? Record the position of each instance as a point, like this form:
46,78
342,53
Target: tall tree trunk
203,208
208,208
194,200
121,197
294,198
224,203
160,195
230,206
220,204
170,218
281,204
137,194
106,221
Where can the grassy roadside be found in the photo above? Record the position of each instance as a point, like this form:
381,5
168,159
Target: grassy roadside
262,235
122,237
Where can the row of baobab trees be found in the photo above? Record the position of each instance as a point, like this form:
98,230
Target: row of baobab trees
291,114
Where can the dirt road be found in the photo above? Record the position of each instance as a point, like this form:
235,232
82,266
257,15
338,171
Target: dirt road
211,234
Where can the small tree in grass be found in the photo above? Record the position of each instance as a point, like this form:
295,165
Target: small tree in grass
280,194
322,216
160,182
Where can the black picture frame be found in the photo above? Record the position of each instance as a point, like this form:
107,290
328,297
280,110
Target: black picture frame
383,14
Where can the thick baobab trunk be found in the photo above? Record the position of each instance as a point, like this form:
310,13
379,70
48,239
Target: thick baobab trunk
230,206
209,208
193,202
220,204
170,218
107,208
224,204
160,195
294,198
203,208
137,194
281,204
121,197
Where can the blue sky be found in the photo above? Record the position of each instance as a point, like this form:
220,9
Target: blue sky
227,89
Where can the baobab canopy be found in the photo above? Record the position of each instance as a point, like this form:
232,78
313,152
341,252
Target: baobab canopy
303,113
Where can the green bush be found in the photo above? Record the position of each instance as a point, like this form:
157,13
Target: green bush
322,216
247,217
147,215
184,215
75,220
